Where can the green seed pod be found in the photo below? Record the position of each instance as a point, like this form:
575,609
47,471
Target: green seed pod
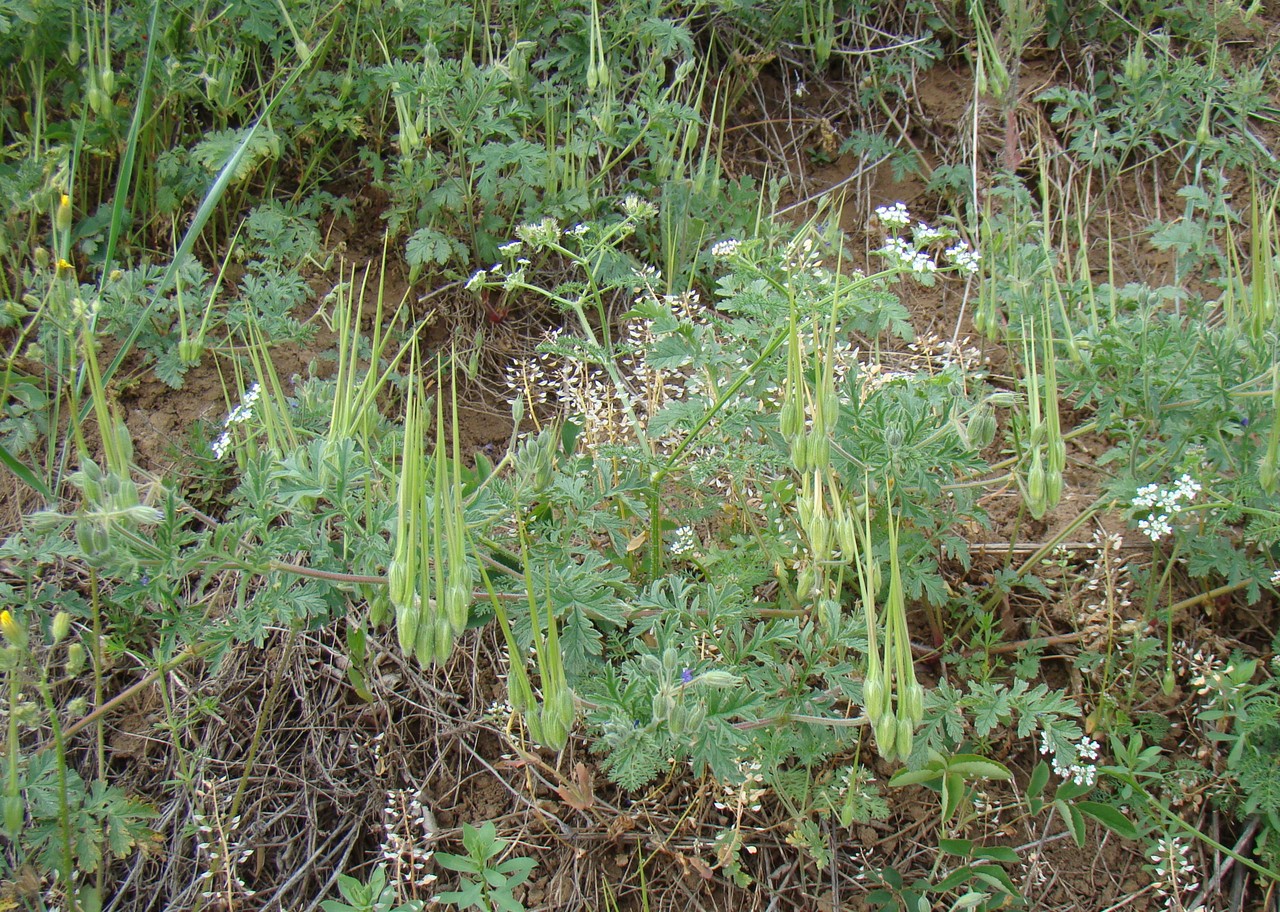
1037,496
677,719
805,581
847,536
886,730
1168,683
906,735
819,450
982,427
439,647
697,718
1052,488
519,690
75,659
557,721
533,719
380,608
873,698
791,418
800,453
15,813
819,534
408,620
98,101
399,584
458,601
912,699
190,350
93,540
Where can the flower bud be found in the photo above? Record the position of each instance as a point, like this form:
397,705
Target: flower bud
62,215
61,627
716,678
14,632
75,659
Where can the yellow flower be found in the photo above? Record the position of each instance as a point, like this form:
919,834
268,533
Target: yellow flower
12,631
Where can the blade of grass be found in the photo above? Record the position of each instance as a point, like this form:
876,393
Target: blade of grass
198,221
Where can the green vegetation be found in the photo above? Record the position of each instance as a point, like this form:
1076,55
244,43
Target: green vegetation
810,511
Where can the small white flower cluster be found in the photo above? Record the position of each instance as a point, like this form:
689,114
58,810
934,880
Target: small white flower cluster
1079,772
1161,505
1275,578
684,542
747,793
1173,874
722,250
913,254
901,252
895,217
408,828
239,415
964,256
219,847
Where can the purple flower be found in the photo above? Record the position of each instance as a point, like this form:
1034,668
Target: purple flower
686,676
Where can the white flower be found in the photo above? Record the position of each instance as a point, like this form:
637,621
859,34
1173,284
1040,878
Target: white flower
476,280
1275,578
963,257
894,217
220,445
1161,504
683,542
725,249
511,248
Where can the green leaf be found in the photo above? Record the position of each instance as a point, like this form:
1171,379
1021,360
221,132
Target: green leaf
906,777
1109,817
961,847
1039,779
997,877
971,766
952,794
1075,821
457,863
24,474
1002,854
